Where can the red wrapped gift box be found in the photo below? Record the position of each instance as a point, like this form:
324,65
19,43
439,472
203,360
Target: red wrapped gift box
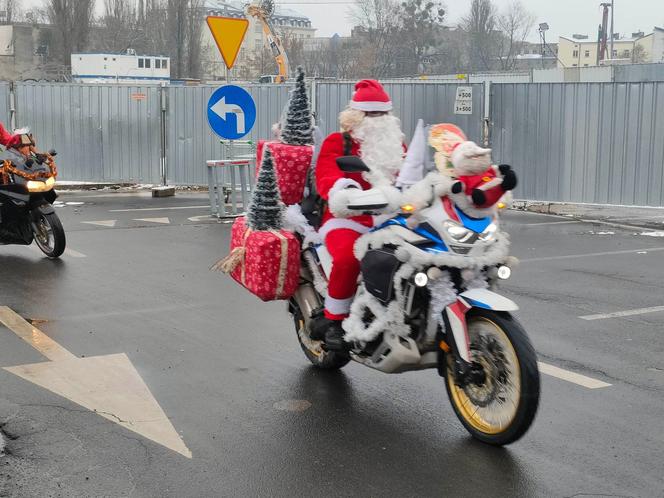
291,164
268,262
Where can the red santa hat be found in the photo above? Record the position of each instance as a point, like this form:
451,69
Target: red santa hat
370,96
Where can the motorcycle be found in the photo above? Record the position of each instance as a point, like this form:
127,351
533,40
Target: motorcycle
423,303
27,180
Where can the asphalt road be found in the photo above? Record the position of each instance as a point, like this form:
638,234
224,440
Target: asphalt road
227,371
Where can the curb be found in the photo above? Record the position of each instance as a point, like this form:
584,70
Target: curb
630,217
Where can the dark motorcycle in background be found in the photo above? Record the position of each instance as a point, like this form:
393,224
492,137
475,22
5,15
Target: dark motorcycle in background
27,181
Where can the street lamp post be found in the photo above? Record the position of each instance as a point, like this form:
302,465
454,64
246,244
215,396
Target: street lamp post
543,28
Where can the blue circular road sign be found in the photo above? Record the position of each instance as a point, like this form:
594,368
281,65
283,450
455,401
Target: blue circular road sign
231,112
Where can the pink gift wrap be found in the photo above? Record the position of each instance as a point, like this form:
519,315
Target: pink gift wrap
270,267
291,164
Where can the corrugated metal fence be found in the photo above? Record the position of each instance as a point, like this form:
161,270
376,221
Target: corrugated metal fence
582,142
432,102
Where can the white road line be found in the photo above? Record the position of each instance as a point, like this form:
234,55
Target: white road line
572,377
592,254
617,314
548,223
74,254
157,209
102,223
163,221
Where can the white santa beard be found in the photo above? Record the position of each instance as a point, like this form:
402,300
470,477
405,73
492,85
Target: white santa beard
381,148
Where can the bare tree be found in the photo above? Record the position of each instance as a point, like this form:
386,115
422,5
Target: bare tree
184,27
515,24
120,26
72,19
639,54
479,25
12,10
420,27
377,22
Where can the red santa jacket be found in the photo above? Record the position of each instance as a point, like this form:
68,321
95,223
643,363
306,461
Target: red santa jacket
6,138
489,182
330,178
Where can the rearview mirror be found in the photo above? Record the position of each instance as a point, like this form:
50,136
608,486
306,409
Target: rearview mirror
351,164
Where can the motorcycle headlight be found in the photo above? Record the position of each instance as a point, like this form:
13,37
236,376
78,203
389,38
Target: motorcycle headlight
38,186
489,232
457,232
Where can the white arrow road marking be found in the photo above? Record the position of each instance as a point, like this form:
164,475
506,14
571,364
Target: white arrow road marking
572,377
222,109
108,385
164,221
617,314
102,223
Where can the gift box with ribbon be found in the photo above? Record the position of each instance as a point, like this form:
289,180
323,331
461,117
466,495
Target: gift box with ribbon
267,263
292,164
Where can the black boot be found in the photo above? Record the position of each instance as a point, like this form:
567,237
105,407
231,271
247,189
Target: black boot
334,338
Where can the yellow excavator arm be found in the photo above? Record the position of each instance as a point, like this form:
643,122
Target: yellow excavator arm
272,40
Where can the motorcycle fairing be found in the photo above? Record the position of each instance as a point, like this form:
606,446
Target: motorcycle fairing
488,300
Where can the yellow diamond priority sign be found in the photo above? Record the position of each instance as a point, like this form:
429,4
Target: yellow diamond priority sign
228,33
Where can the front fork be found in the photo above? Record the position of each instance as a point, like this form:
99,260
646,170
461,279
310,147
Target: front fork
454,340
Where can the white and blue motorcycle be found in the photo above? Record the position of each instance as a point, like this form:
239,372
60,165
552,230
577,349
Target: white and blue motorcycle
426,300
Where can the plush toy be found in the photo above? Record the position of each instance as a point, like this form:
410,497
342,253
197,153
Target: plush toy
444,137
478,179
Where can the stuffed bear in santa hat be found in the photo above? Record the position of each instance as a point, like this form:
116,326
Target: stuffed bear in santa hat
480,184
370,131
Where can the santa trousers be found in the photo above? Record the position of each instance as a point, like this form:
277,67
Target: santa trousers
345,270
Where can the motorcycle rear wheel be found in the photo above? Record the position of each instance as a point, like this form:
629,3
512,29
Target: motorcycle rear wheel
501,409
49,233
313,350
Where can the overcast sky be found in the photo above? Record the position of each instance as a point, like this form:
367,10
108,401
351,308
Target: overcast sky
565,17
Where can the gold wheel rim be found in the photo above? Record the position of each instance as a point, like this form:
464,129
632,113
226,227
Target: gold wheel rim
476,415
314,347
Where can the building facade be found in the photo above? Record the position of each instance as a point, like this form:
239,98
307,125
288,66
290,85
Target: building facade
26,53
254,60
580,51
115,68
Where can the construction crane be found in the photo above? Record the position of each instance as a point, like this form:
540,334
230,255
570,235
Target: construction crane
263,12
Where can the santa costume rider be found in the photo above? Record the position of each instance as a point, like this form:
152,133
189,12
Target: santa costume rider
370,131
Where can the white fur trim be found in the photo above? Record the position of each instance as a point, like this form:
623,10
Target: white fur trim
495,254
390,317
295,221
340,195
338,306
337,223
423,193
466,205
371,106
394,198
343,183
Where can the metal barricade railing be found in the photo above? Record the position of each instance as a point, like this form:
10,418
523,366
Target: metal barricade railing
231,177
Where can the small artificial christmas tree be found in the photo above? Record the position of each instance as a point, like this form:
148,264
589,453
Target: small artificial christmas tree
265,210
298,128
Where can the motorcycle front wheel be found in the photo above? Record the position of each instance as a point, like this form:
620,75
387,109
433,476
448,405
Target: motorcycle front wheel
49,233
498,406
313,350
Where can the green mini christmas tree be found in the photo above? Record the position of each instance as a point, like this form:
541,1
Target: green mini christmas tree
265,210
298,128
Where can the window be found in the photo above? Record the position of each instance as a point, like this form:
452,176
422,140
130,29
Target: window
587,54
164,64
141,63
585,65
575,53
105,58
574,65
615,53
258,28
147,63
157,63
